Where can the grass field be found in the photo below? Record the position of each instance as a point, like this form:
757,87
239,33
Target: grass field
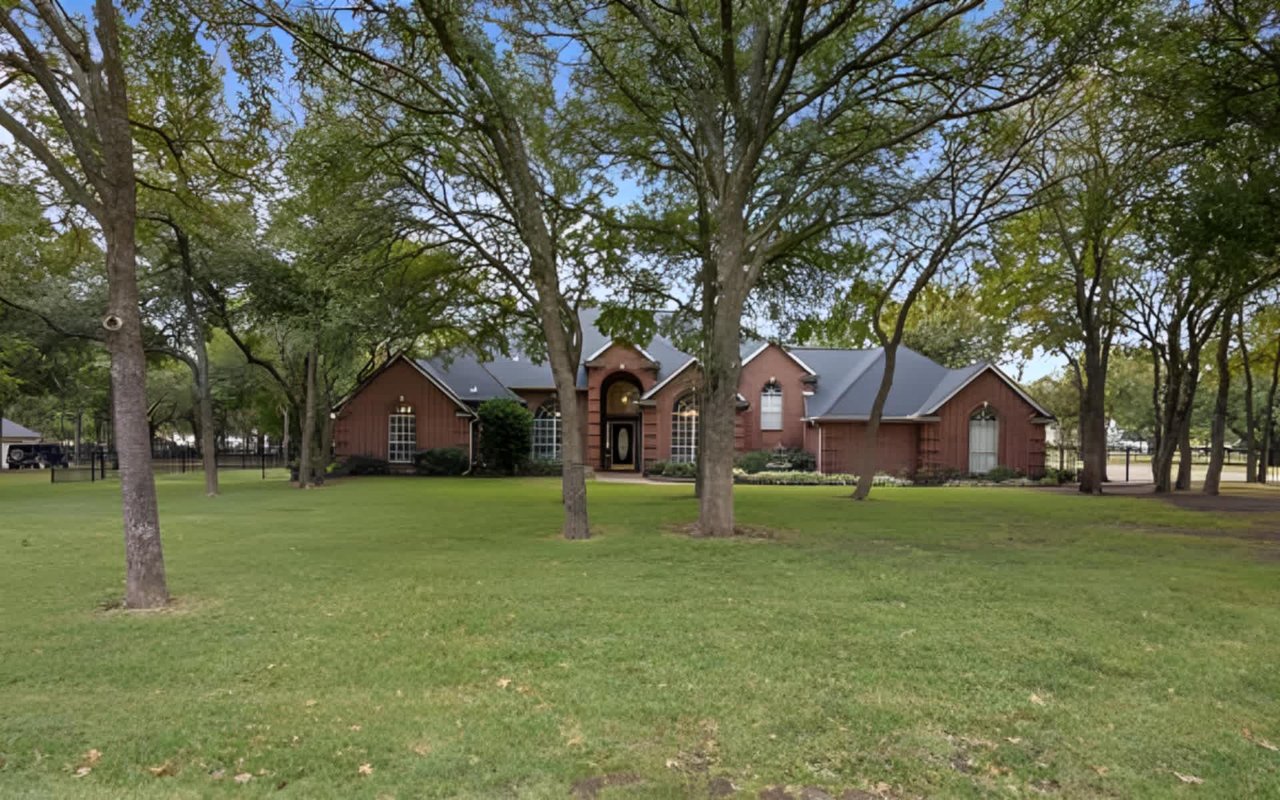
435,638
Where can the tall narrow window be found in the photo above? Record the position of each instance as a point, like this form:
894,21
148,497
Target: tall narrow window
771,408
402,440
984,441
546,431
684,429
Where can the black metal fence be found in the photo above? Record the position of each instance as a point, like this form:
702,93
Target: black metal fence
1135,463
105,464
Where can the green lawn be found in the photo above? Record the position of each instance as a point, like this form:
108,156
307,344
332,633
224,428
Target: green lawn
932,642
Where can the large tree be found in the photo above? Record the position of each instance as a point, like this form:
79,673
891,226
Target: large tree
466,109
761,127
66,105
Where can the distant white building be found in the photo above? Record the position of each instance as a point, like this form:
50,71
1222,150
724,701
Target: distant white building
11,433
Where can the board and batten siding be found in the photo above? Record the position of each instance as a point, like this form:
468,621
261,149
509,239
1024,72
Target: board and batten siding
896,445
1021,442
362,426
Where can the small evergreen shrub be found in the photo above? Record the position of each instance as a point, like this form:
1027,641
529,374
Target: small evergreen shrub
936,476
541,467
355,465
1001,474
753,462
654,467
776,461
506,435
680,469
441,461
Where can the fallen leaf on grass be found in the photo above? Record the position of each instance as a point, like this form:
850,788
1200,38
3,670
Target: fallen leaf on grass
1102,770
80,773
218,774
310,703
1188,778
162,771
673,764
243,777
503,682
1037,699
365,770
1013,739
355,728
1259,741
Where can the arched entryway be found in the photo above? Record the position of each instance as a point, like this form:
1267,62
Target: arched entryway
984,440
620,422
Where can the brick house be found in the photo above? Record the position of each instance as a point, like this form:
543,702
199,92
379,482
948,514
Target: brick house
640,407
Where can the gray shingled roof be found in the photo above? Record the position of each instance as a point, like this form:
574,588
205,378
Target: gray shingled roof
849,379
519,371
846,385
466,377
12,430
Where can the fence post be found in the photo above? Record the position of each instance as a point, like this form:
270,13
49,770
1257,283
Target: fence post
1126,465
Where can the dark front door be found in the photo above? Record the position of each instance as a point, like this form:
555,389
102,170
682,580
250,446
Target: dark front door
622,445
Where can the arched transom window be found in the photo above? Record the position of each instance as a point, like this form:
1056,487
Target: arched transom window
546,431
984,440
771,407
684,428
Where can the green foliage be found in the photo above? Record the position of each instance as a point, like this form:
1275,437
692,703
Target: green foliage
441,461
357,465
506,434
1002,473
776,460
680,469
936,476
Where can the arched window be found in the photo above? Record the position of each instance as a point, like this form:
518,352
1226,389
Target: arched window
622,398
684,428
546,431
771,407
402,435
984,440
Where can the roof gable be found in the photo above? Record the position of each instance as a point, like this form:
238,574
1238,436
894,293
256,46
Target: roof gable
12,430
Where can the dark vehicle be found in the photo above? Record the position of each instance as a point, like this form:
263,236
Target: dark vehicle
36,456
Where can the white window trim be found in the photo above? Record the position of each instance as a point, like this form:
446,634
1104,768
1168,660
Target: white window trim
771,419
396,440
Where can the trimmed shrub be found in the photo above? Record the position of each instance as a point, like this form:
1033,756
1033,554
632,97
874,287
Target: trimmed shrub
813,479
680,469
936,476
541,467
795,479
753,462
776,461
1002,473
654,467
506,435
355,465
1057,477
441,461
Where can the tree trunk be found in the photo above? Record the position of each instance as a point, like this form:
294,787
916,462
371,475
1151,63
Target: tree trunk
1250,419
320,465
145,583
77,450
1218,429
306,438
1093,425
1185,457
867,457
1268,417
718,416
284,438
573,460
